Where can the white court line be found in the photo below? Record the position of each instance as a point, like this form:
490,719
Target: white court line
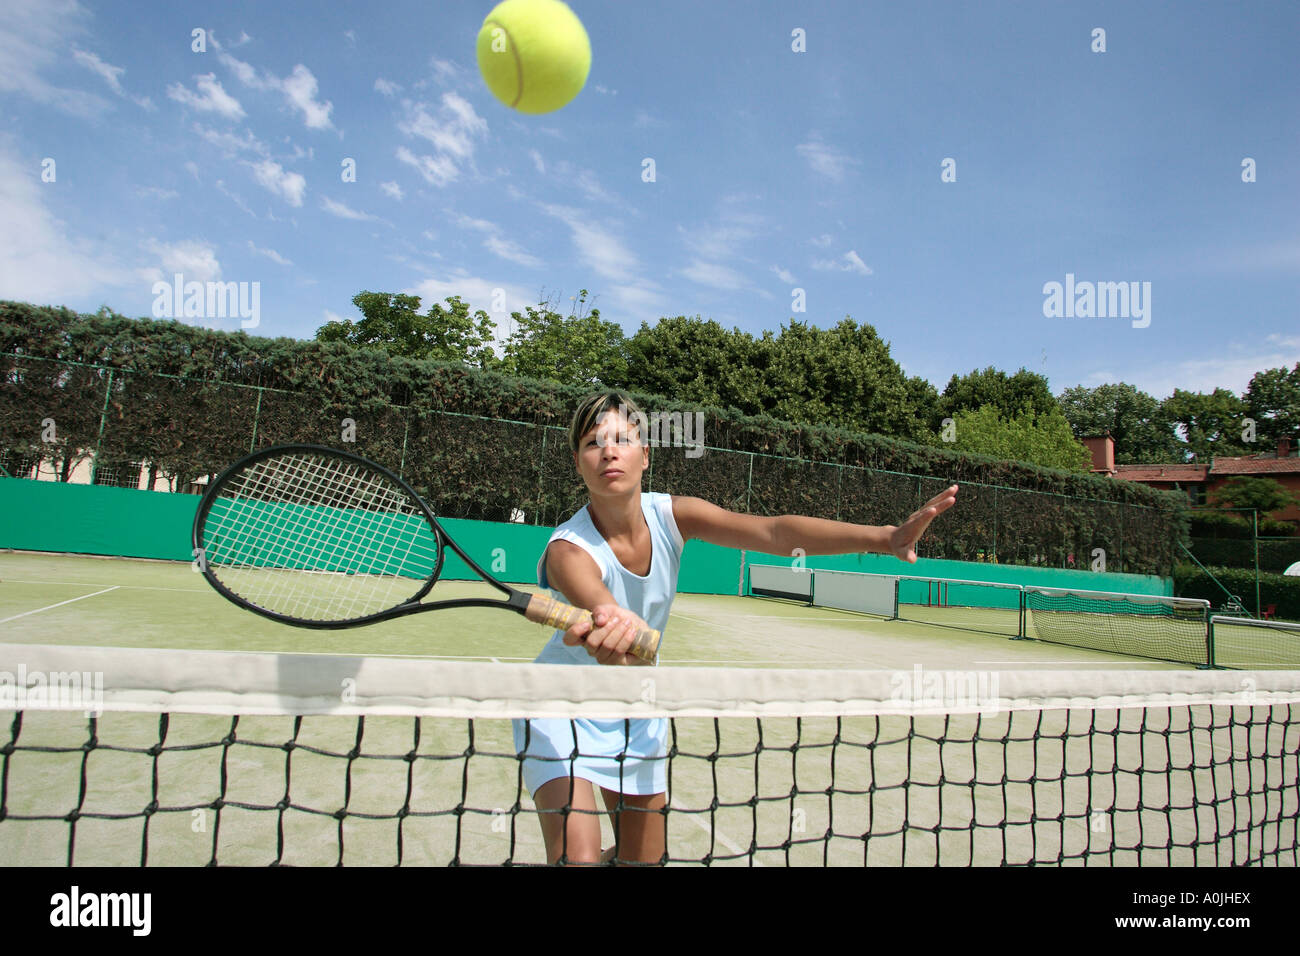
133,587
714,832
1036,663
60,604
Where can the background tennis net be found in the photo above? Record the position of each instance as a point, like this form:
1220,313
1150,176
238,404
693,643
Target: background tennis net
251,759
1137,625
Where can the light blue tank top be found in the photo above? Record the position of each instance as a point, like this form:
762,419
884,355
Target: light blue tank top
650,596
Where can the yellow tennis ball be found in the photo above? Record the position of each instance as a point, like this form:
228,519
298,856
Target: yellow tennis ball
534,54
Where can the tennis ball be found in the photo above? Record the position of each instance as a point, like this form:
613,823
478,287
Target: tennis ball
534,54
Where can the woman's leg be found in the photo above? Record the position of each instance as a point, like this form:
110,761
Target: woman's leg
572,827
640,826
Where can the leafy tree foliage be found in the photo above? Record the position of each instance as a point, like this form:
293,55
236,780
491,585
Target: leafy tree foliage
1009,394
1211,424
1142,431
1273,399
1249,491
394,324
578,349
1042,438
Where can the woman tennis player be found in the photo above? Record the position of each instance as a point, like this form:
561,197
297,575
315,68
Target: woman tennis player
618,557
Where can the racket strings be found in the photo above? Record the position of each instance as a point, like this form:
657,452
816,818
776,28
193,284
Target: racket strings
318,538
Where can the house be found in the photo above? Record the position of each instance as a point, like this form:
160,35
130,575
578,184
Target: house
1199,481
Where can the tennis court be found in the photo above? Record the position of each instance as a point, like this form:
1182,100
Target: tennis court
834,772
58,599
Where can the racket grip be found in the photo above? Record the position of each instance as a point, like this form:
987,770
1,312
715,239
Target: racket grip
544,610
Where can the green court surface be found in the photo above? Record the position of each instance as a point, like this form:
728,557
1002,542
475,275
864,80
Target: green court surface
1046,786
57,599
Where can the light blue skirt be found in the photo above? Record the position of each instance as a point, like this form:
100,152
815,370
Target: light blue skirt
591,750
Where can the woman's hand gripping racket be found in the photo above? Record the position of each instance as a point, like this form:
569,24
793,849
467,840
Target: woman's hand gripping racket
322,538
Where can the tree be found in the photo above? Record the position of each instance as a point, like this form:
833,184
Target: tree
393,324
1273,399
1041,439
1007,393
841,376
578,349
1247,492
693,360
1211,424
1141,429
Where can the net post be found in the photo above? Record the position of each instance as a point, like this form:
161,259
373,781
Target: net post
257,414
1022,632
103,416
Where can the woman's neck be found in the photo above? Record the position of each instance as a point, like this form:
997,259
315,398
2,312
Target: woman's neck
617,517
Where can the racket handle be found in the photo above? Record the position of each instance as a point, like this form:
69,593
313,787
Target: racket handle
543,610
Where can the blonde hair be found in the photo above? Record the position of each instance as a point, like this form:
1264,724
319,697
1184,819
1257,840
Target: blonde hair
591,408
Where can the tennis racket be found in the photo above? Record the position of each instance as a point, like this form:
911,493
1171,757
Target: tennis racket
322,538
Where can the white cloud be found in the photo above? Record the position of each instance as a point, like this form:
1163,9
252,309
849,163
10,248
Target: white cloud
211,98
598,248
246,73
156,192
825,160
34,37
300,89
1232,370
478,225
387,87
437,171
538,162
231,144
511,251
849,262
714,275
480,294
351,37
392,190
194,259
718,240
269,254
785,275
445,71
110,73
276,179
234,197
344,211
821,242
452,133
46,260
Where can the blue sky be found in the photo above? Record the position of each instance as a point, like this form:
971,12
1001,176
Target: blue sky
775,170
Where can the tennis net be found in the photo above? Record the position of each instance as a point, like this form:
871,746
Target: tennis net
250,759
1247,643
1161,628
987,606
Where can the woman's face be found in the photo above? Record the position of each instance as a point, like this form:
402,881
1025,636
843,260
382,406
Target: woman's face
612,456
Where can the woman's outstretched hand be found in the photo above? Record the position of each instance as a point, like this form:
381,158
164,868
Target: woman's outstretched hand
903,540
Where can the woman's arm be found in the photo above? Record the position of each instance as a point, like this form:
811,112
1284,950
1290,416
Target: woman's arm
572,572
788,534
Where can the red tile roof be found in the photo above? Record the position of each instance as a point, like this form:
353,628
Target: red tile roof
1256,466
1162,472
